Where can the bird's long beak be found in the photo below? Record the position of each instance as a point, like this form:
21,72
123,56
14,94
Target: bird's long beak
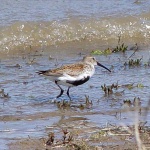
102,66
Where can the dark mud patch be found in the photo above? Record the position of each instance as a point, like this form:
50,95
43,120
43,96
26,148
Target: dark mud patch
73,131
84,135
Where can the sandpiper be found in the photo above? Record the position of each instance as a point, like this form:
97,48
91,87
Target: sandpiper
73,74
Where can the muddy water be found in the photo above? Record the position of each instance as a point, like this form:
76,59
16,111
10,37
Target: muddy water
29,109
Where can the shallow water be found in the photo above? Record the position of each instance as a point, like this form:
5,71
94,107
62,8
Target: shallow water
38,35
30,109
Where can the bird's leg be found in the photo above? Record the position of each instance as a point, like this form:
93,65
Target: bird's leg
61,92
68,93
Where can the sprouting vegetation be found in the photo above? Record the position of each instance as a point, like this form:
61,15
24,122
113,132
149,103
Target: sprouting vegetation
138,85
63,104
121,47
109,89
132,62
136,102
127,102
66,139
87,100
3,94
102,52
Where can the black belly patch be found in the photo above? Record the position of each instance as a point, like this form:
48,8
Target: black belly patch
78,82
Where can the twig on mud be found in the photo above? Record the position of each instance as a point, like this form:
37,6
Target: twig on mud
135,49
50,141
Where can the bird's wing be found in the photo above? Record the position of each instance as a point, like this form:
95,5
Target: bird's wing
49,73
71,70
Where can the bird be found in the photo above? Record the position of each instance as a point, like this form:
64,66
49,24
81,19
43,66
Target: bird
72,75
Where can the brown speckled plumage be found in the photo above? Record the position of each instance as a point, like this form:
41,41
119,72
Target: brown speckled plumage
72,74
72,70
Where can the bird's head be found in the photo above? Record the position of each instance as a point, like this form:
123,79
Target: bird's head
91,60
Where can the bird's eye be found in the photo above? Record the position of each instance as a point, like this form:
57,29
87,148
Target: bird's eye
93,58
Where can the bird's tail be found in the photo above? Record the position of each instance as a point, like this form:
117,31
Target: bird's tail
41,72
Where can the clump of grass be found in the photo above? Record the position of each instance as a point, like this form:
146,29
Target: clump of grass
109,89
136,102
97,52
139,85
121,47
3,94
87,100
50,140
68,105
102,52
87,104
132,62
65,140
108,51
81,107
63,104
127,102
132,86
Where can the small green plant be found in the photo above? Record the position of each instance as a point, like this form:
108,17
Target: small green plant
120,48
63,104
87,100
132,62
136,102
140,85
130,86
127,102
109,89
108,51
99,52
3,94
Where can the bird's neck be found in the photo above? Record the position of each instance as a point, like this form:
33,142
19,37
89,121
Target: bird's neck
90,64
